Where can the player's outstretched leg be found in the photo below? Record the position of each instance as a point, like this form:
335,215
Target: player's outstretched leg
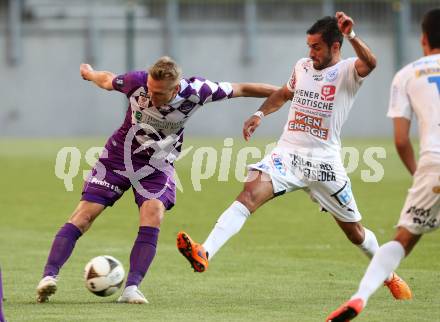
257,190
193,252
151,214
398,288
141,257
63,245
366,240
347,311
384,262
60,251
228,224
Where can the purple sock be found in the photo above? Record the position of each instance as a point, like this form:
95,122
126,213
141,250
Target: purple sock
62,248
142,254
2,318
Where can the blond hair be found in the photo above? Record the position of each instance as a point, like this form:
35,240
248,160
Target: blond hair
165,69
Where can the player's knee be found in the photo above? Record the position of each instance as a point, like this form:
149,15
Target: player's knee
84,214
151,213
406,239
82,219
249,199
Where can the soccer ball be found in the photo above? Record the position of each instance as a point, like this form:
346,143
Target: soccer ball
104,275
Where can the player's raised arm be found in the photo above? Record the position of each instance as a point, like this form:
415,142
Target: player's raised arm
253,89
272,104
102,79
403,143
366,61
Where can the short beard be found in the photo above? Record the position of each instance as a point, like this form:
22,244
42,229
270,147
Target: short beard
325,64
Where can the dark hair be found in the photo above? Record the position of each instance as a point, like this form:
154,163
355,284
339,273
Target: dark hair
431,27
328,28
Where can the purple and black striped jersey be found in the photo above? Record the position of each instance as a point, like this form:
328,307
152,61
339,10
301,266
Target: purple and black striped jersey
157,132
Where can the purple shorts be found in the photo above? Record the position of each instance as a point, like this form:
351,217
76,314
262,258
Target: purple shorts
109,180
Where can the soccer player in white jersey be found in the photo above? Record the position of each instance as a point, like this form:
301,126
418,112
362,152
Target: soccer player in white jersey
322,88
415,91
140,155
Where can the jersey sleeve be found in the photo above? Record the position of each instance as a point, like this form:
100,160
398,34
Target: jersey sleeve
130,81
202,91
291,83
400,105
354,79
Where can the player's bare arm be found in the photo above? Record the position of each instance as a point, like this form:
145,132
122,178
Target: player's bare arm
253,89
403,143
366,61
272,104
102,79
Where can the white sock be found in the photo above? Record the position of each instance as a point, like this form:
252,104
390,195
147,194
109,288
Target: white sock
370,246
384,262
228,224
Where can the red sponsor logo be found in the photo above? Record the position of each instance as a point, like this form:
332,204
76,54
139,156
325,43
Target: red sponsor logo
309,124
328,92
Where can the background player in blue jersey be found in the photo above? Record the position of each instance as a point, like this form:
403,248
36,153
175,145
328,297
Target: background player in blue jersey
140,154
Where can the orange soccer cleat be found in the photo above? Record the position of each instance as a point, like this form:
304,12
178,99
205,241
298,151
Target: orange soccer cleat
347,311
398,288
193,252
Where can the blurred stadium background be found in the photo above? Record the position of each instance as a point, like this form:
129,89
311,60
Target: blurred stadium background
290,263
44,41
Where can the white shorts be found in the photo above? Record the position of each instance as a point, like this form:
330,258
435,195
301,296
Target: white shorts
421,212
326,182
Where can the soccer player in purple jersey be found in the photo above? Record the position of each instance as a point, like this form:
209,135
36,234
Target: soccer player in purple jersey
2,317
140,154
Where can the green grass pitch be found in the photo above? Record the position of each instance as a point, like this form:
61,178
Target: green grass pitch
289,263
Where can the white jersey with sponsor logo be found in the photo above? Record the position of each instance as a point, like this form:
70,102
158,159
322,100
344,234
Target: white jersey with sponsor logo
321,103
416,90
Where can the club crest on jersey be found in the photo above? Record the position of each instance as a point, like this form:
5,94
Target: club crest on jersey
186,107
277,161
328,92
331,75
143,100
